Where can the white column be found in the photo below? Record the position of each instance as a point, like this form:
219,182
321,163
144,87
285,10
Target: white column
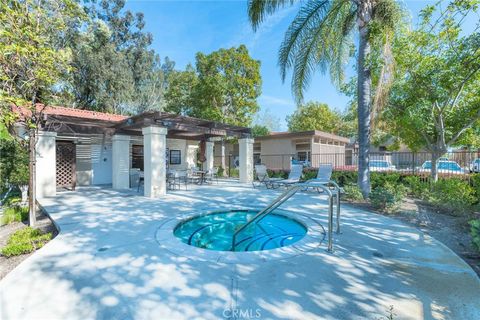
155,169
120,162
46,160
246,159
208,164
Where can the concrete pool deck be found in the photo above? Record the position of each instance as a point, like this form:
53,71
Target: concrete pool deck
106,263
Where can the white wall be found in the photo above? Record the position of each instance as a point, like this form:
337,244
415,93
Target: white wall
83,164
177,144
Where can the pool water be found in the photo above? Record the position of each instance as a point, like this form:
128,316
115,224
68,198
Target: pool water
214,231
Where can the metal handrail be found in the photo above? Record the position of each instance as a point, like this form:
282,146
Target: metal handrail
287,195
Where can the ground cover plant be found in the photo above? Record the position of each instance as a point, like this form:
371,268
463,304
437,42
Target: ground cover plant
25,241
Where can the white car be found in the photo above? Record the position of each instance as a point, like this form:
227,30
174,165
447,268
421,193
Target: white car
443,166
475,165
381,165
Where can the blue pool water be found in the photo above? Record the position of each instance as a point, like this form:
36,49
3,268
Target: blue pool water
214,231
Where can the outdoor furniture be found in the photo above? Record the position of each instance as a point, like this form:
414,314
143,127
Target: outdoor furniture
211,174
294,176
177,178
262,177
324,175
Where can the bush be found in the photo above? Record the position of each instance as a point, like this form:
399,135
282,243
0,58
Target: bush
234,172
277,173
380,179
14,214
475,181
24,241
475,233
352,192
345,177
416,187
453,194
221,171
387,198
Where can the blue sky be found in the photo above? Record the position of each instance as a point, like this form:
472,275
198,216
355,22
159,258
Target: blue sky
183,28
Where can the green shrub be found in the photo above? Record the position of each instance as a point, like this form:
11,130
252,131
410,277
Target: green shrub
388,197
345,177
309,173
379,179
416,187
24,241
475,182
277,173
14,214
453,194
352,192
234,172
221,171
475,233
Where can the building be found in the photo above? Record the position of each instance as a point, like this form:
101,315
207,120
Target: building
314,147
81,148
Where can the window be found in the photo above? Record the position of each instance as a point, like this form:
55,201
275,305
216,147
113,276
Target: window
175,157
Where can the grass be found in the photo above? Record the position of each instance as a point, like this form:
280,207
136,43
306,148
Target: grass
24,241
14,214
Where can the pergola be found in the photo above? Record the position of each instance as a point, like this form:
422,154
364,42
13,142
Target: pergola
154,127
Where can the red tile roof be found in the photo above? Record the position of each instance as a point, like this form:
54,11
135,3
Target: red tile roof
72,112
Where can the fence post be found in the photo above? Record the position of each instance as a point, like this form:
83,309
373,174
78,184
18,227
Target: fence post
413,162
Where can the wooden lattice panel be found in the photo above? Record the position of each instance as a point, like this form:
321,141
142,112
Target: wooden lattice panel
65,165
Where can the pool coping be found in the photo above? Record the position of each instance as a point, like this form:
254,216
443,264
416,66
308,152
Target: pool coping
164,236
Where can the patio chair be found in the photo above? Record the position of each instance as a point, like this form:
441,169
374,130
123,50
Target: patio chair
294,176
211,174
324,175
262,177
176,178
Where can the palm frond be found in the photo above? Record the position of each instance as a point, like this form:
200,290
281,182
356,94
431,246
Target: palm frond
258,10
313,42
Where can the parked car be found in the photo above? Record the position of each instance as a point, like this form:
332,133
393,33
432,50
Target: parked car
381,165
443,167
475,165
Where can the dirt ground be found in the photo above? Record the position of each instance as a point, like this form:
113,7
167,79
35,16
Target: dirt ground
8,264
452,231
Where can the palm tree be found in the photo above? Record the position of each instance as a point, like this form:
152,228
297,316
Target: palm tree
321,36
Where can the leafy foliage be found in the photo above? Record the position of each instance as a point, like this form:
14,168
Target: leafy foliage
14,214
13,163
352,192
475,233
387,197
314,116
24,241
259,131
434,102
453,195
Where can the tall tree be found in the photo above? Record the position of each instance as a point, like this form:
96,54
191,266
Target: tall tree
229,84
179,93
31,64
321,37
267,119
314,116
435,102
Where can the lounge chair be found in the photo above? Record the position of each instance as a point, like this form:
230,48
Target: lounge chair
294,176
261,177
211,174
324,176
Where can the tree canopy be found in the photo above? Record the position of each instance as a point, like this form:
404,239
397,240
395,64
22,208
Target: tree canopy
434,101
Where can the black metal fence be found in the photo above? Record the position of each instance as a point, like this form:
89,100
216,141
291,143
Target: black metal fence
455,163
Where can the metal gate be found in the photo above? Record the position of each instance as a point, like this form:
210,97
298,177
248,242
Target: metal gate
66,177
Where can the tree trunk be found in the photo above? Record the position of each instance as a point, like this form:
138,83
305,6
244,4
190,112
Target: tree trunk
364,93
434,171
32,218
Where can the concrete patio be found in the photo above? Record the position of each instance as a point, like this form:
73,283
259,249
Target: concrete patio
106,263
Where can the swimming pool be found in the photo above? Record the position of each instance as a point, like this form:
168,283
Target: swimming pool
214,231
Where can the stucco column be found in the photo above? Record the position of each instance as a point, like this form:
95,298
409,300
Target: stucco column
208,164
46,160
246,159
154,162
120,162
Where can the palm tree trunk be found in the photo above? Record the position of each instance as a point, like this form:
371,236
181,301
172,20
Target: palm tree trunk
364,93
